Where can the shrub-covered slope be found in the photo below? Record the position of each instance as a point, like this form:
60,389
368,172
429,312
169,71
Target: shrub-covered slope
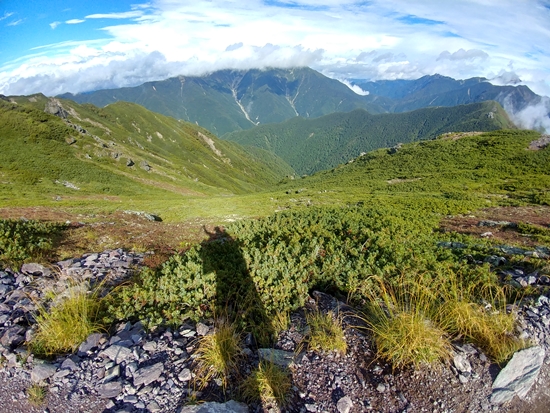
311,145
121,150
493,166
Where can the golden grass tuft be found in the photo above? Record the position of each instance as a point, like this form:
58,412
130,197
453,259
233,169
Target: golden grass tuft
268,384
218,353
67,322
414,319
401,320
36,394
326,332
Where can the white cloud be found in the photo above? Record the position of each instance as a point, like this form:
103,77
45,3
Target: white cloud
54,25
15,22
532,117
124,15
379,39
462,54
355,88
75,21
6,15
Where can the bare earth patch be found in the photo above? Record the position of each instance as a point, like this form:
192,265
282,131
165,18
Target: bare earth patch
470,224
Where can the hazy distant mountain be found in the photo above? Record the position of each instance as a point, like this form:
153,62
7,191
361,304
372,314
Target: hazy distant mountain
311,145
230,100
437,90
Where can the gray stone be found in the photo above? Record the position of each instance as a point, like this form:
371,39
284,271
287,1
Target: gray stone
461,363
153,407
13,336
109,390
518,376
213,407
148,374
117,353
381,388
111,374
69,364
35,269
279,357
91,343
202,329
344,405
184,375
41,372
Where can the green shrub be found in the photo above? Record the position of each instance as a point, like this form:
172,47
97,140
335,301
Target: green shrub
22,241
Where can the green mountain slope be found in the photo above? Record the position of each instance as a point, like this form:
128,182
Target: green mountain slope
121,150
437,90
496,167
230,100
311,145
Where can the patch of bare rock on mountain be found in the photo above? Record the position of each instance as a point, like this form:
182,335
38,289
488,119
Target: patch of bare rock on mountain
133,370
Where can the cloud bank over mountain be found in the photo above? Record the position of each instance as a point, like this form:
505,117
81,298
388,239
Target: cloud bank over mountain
83,49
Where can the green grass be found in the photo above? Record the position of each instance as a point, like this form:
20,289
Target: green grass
36,394
326,332
269,384
66,322
414,320
218,354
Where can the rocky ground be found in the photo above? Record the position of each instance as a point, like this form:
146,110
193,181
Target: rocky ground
131,370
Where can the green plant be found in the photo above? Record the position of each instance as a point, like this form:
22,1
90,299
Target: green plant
326,332
66,322
402,317
477,312
24,240
36,394
268,383
218,354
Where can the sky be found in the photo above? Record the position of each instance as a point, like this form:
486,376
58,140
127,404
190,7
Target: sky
57,46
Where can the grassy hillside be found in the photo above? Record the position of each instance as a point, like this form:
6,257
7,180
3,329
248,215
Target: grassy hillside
229,100
311,145
123,150
473,169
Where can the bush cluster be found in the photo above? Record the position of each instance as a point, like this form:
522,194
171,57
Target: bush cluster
22,240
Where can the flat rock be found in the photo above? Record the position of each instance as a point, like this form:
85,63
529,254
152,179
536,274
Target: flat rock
91,343
13,336
35,269
518,376
213,407
148,374
279,357
117,353
41,372
109,390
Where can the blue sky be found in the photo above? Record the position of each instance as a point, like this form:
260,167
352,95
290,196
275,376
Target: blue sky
54,46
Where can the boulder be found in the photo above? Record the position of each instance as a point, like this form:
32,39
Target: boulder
518,376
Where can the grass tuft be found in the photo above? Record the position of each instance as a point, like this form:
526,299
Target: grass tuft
218,354
268,384
326,332
36,394
68,321
401,319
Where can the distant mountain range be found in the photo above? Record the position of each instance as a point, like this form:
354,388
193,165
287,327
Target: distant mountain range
232,100
312,145
437,90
